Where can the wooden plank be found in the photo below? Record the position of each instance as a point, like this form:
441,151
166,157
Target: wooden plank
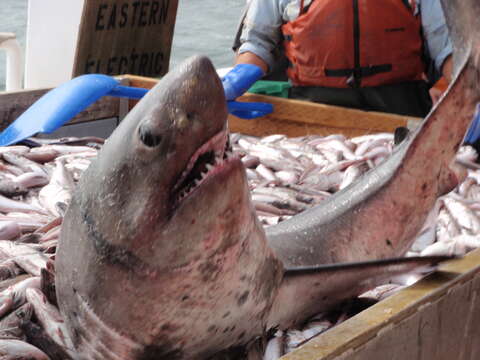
313,117
291,117
106,107
13,104
139,81
437,318
297,118
125,37
270,125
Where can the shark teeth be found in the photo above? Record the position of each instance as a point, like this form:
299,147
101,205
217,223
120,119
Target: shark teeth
206,161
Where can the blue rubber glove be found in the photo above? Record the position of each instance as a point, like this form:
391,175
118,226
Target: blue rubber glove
238,80
235,83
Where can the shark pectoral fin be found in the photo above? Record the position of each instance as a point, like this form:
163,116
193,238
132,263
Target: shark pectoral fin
306,291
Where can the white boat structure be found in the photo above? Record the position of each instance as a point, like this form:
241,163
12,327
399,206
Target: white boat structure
14,68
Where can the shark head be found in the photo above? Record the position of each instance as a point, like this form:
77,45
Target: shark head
170,154
163,217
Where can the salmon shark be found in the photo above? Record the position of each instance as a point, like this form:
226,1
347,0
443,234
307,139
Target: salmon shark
161,255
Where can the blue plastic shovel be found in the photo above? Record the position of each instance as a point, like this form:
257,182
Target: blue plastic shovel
61,104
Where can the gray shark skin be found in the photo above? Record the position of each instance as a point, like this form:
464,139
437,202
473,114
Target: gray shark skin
161,255
145,272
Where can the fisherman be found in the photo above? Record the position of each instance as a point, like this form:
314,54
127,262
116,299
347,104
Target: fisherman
365,54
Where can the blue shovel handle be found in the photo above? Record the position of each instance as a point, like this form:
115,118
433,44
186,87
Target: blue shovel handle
242,110
127,92
61,104
249,110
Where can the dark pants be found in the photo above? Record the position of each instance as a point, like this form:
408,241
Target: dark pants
409,98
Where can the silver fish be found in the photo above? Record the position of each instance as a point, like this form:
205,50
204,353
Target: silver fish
11,349
10,326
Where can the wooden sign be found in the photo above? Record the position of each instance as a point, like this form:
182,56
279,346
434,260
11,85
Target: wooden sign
125,36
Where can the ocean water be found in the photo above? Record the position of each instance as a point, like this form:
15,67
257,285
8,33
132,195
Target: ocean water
204,27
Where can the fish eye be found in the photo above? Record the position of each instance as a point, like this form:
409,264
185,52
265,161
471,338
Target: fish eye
149,139
191,115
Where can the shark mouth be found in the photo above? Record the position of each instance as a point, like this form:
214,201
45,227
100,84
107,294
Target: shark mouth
210,159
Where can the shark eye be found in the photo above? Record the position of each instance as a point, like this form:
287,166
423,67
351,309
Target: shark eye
149,139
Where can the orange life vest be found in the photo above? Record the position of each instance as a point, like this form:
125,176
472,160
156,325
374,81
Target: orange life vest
342,43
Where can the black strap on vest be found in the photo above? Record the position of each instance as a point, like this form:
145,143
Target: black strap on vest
407,4
359,72
355,75
356,78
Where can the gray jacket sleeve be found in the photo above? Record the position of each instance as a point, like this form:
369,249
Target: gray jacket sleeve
435,31
262,29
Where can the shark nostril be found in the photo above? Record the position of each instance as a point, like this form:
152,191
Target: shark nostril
149,139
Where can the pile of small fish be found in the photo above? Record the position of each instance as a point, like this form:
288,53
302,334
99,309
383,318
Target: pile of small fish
36,185
289,175
286,176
